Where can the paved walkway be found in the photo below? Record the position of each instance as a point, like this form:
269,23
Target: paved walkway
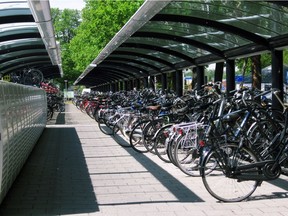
76,170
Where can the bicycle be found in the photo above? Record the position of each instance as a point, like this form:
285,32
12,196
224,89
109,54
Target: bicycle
242,166
31,76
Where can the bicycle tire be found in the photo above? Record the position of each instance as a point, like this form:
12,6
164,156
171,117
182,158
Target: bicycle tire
220,186
187,158
149,131
33,77
136,138
170,148
90,110
96,114
119,137
105,127
50,113
161,143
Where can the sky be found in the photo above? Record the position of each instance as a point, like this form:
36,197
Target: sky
67,4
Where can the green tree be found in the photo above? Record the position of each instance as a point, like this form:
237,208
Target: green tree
101,20
65,24
245,64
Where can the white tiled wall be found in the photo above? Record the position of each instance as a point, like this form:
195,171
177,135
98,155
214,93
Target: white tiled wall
22,120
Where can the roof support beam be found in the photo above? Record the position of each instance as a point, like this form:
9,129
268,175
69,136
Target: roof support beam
188,41
136,71
152,58
120,59
159,49
213,24
120,71
116,74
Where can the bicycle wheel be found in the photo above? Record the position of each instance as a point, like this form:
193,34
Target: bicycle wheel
50,113
217,182
136,137
33,77
90,110
105,127
148,133
96,114
261,134
186,154
119,136
171,148
161,143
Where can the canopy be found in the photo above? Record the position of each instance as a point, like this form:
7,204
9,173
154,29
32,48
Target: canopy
166,36
27,38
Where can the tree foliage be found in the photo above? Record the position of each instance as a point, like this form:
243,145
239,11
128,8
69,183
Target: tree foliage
65,24
266,60
101,20
84,34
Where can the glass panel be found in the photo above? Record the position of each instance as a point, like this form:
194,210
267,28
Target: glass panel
25,59
262,18
22,52
15,12
148,61
133,65
148,69
20,42
13,4
210,36
182,48
18,28
166,57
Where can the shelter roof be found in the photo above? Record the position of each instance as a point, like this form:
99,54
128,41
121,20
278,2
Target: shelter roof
165,36
27,38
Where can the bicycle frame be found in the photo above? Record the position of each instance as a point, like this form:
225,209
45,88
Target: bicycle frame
264,170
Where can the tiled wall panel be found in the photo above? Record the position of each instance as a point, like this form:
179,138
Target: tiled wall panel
22,120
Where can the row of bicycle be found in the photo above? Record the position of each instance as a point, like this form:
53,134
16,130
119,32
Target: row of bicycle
55,100
235,141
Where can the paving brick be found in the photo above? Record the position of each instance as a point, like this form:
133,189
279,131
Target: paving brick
77,170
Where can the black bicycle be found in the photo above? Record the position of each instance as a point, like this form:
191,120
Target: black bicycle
241,164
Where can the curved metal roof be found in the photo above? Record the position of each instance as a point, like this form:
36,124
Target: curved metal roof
27,38
164,36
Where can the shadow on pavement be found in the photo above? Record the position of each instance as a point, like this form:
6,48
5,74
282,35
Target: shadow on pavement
179,190
60,118
54,180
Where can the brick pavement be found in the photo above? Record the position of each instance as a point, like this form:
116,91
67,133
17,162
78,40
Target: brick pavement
76,170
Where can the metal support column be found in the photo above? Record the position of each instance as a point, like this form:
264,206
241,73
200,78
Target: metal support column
151,83
218,76
112,87
164,81
137,84
200,77
145,81
230,76
179,83
131,85
173,76
126,85
277,77
121,85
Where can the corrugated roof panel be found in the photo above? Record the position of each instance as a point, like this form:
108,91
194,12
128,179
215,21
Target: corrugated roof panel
21,43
